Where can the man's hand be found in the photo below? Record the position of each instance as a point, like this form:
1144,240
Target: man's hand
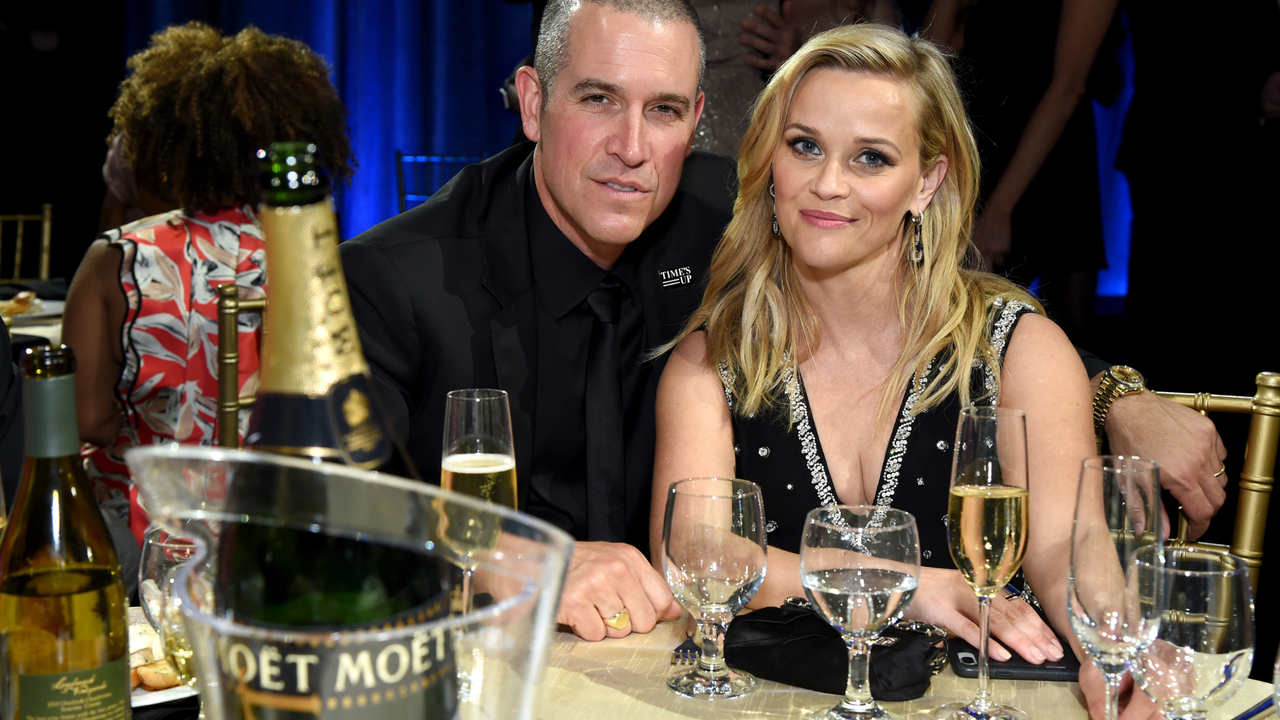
777,38
946,600
1134,704
605,578
1183,442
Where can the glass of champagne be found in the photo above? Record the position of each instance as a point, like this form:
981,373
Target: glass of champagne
478,459
713,556
860,566
1117,512
987,526
1198,604
162,555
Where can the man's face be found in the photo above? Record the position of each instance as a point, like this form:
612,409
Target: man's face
614,135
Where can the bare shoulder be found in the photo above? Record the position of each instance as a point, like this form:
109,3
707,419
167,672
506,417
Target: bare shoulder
1044,376
687,366
1039,348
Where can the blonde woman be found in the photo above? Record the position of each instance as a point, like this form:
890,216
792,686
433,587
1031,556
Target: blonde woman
842,330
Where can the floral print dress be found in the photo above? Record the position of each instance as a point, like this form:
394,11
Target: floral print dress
168,388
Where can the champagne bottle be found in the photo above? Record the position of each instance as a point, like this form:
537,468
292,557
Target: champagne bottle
315,400
63,625
316,394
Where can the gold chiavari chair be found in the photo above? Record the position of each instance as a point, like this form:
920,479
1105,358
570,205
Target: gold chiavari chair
1258,474
229,401
45,218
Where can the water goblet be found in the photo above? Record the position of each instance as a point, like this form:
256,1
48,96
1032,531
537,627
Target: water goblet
713,556
1198,605
987,526
860,566
1117,512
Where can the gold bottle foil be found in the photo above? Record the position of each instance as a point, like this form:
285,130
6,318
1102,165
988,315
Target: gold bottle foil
310,342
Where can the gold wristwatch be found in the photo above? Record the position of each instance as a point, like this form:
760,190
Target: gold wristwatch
1116,382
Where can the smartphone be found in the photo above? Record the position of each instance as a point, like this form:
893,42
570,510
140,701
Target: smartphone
964,662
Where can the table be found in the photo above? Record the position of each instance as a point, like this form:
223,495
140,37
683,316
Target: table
625,679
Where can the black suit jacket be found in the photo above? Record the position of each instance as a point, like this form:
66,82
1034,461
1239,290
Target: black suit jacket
444,298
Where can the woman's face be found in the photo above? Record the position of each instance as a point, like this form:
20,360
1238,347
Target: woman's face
847,170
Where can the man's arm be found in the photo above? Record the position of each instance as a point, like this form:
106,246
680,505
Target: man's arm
1183,442
384,315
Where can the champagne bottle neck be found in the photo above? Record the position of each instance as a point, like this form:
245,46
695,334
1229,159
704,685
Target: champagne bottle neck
310,340
49,412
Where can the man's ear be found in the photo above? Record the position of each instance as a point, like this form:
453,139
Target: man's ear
697,115
530,92
930,181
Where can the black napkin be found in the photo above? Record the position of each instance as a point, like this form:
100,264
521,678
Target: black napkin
184,709
793,645
51,289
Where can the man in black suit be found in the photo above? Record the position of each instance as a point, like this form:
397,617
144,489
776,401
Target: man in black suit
506,277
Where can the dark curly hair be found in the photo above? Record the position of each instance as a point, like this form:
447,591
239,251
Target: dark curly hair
199,105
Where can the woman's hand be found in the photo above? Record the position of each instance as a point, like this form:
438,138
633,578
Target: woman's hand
994,237
945,599
776,38
1134,704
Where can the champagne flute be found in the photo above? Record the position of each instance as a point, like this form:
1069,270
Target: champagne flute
860,566
478,459
713,556
1199,606
987,526
1117,512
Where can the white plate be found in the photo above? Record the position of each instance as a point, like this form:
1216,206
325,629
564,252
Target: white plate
142,698
41,311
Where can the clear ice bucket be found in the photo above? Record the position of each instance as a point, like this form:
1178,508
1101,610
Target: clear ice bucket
321,591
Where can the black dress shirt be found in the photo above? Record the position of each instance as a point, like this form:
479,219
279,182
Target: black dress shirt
564,277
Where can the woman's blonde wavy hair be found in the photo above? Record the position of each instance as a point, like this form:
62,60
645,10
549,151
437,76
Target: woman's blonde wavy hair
757,319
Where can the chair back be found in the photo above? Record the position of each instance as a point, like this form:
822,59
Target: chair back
229,401
1258,474
418,177
19,222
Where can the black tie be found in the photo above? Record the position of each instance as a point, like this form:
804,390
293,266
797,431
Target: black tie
606,492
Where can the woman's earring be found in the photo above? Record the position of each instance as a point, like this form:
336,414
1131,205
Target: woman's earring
775,210
917,252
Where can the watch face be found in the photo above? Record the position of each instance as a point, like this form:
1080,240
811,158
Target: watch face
1127,375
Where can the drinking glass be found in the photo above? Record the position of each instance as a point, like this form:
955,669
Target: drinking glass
1117,512
163,554
713,555
1198,604
860,566
987,526
477,459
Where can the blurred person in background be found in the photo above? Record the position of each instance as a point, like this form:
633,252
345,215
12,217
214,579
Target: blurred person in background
141,312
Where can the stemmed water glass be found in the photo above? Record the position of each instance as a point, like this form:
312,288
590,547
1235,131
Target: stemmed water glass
713,556
1117,512
1198,604
987,526
860,566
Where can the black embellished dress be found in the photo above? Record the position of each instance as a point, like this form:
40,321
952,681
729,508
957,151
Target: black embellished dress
791,470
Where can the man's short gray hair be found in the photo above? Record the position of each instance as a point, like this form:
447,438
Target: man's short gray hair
553,35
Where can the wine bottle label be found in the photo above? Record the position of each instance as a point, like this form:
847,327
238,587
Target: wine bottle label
47,405
98,694
310,343
357,678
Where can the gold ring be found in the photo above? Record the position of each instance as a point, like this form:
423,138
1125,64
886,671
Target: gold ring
1220,472
618,620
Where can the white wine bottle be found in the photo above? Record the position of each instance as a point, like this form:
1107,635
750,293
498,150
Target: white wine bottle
63,626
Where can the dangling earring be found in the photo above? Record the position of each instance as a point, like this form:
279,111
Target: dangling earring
775,210
917,252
